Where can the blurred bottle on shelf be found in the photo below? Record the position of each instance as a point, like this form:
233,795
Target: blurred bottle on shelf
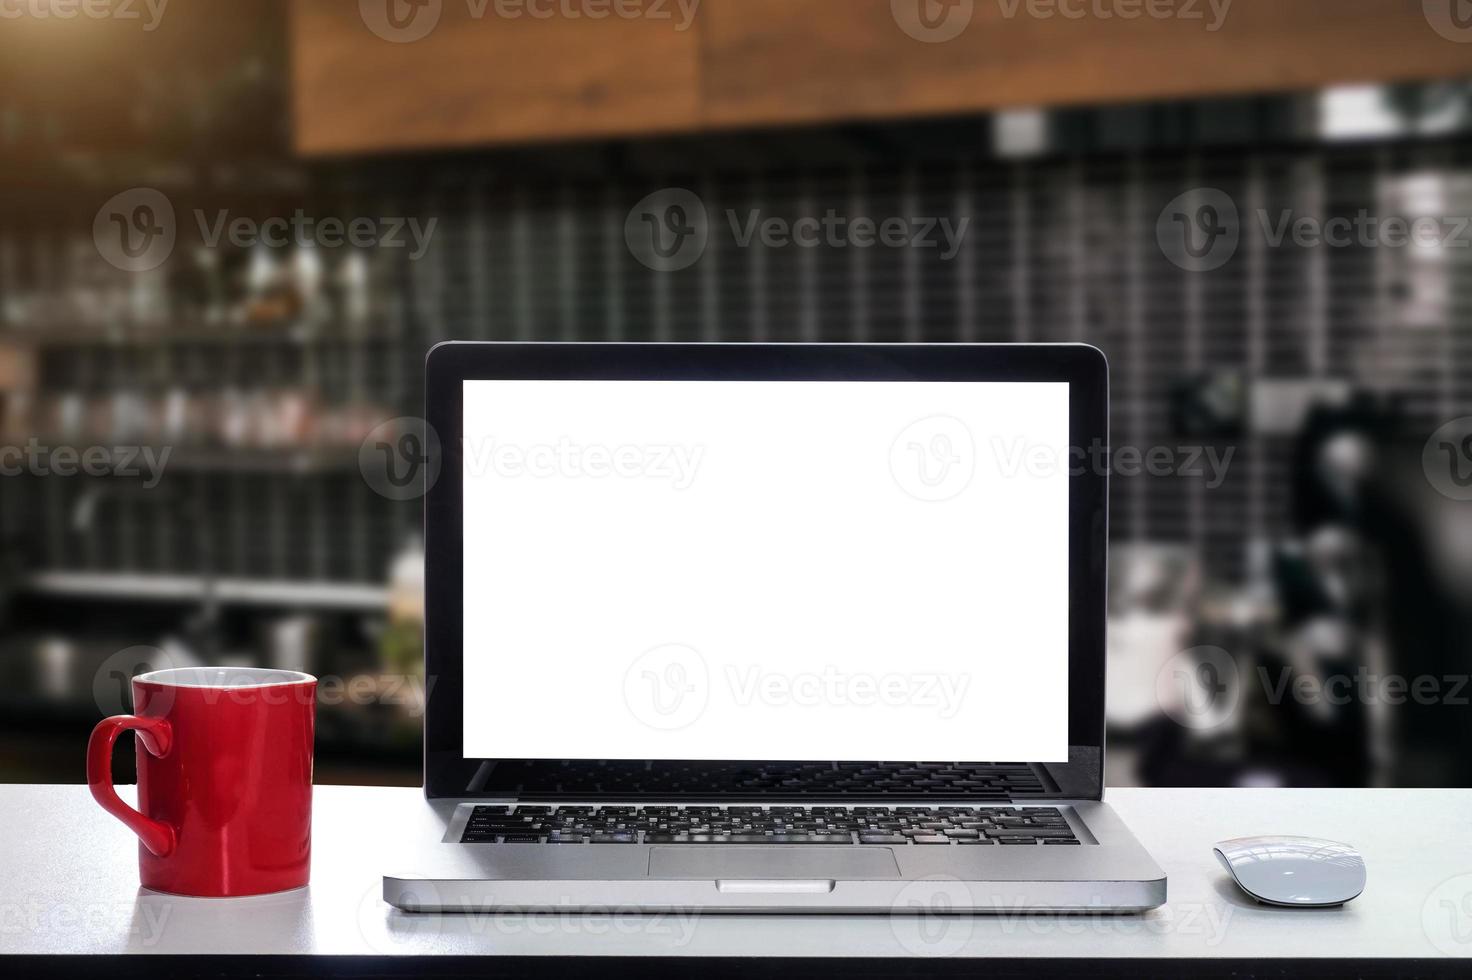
353,297
401,647
293,642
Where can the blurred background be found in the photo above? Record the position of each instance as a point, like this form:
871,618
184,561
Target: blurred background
230,231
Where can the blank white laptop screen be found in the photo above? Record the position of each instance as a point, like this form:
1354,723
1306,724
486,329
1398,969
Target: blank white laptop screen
845,571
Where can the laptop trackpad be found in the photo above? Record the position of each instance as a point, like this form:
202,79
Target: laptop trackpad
770,863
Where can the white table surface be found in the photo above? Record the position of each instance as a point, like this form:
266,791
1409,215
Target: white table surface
71,886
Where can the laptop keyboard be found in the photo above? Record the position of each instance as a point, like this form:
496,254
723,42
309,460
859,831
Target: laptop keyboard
903,825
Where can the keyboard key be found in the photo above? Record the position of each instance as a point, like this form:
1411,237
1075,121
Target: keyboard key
749,839
883,839
930,839
793,838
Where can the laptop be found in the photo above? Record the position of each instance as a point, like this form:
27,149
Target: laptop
747,628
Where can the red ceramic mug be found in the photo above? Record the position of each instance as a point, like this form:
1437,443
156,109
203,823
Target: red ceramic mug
224,778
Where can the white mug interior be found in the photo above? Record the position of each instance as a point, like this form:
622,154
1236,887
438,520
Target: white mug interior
224,677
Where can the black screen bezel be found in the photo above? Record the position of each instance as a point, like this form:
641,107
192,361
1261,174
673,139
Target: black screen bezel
448,774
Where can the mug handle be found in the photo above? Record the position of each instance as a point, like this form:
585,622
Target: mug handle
157,737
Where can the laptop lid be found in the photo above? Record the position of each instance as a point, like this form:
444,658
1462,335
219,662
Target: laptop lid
793,572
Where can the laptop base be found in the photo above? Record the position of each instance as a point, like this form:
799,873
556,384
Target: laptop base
1108,872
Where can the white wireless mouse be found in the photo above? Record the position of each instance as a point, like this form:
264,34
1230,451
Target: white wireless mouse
1302,872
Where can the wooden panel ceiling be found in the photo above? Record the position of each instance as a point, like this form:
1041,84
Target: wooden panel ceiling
481,76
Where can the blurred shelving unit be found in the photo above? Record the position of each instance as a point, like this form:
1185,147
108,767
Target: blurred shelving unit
250,375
